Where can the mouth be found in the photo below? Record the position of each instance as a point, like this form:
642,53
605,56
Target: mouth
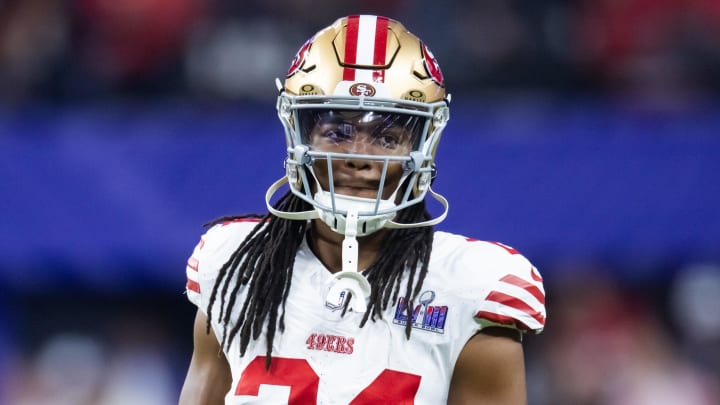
363,191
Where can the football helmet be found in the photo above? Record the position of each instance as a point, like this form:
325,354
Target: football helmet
362,73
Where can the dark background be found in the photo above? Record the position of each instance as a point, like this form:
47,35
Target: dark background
582,133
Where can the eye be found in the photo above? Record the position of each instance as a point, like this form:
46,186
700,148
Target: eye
336,132
389,137
387,141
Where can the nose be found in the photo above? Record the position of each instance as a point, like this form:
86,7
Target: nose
359,145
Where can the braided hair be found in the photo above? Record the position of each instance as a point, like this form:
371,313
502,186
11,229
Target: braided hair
263,264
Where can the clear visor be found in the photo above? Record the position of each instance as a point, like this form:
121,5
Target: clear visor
360,132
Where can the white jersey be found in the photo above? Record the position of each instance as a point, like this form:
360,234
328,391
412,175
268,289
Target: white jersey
325,358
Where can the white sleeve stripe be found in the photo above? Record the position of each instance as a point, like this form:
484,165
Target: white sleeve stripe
192,275
193,263
525,318
521,294
534,288
505,315
504,304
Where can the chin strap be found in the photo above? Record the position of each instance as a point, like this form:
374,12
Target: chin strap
349,279
442,200
311,214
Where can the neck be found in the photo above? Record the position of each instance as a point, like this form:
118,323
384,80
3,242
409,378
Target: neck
327,246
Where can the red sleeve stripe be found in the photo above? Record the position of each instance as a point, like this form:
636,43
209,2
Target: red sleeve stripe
502,320
193,263
193,286
509,249
517,304
230,221
532,289
535,274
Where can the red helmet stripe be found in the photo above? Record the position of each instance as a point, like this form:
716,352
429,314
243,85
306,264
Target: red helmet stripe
381,36
351,45
365,44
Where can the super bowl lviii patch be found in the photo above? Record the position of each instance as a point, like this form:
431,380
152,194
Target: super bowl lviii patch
424,316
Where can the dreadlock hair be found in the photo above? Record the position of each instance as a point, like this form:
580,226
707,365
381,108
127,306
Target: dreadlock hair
264,263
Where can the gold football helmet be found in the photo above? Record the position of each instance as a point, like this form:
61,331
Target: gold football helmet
362,72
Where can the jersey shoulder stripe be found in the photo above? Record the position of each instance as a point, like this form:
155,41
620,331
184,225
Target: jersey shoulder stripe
210,254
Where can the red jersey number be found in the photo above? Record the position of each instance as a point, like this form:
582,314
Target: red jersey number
389,387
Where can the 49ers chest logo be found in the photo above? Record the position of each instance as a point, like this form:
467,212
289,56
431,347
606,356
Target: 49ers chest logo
362,90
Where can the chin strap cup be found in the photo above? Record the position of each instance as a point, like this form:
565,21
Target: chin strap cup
353,282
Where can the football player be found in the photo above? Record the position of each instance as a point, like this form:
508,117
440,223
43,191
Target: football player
343,293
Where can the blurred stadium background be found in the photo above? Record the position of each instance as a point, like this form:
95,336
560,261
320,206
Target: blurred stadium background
585,133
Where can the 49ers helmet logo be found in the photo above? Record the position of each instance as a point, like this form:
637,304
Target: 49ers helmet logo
432,66
362,89
299,59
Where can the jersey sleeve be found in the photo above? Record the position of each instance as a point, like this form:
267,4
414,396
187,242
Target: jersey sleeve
209,255
192,272
515,296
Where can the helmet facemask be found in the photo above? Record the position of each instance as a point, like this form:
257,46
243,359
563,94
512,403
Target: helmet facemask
381,134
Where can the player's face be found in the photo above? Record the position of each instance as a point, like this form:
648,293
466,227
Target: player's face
364,134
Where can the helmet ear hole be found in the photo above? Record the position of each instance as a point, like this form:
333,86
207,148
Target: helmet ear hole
423,181
295,174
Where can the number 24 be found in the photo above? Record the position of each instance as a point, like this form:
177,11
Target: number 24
390,386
